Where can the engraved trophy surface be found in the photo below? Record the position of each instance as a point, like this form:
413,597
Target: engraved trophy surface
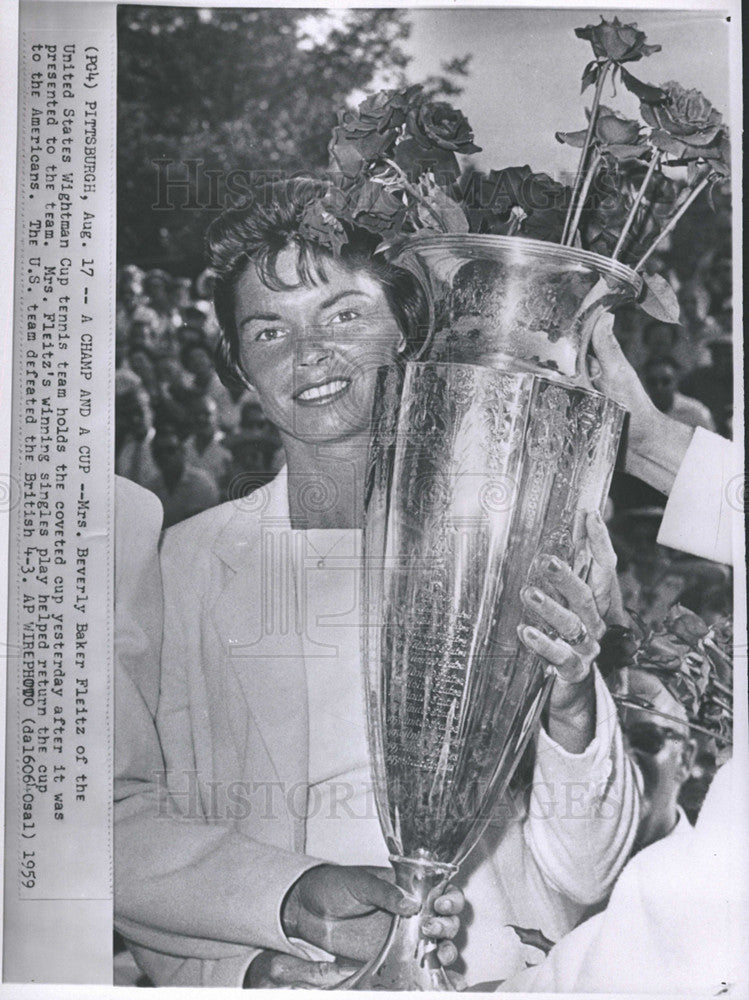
485,452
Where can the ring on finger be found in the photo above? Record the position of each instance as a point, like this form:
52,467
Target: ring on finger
579,637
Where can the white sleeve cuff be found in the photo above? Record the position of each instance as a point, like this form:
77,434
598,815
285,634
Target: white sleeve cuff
593,765
698,514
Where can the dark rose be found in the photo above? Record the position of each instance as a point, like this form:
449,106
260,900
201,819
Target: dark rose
489,203
686,125
618,648
382,112
616,41
414,159
377,209
439,124
320,225
686,625
344,156
616,134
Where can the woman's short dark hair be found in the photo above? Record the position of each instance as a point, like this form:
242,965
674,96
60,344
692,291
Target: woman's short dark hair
258,232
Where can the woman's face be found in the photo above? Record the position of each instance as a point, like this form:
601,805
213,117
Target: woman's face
312,353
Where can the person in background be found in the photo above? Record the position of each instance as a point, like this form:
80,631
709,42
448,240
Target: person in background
182,489
134,459
141,362
158,287
204,449
660,377
175,397
125,379
659,740
659,340
713,383
142,333
129,297
670,925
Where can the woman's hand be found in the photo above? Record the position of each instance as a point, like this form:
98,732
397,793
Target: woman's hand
348,912
656,444
574,611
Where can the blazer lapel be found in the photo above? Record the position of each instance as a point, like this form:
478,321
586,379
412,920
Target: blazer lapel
258,624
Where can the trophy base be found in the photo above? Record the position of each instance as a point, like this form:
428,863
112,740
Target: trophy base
408,959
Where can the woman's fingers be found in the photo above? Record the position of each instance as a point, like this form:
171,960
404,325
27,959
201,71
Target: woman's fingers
577,594
571,667
447,953
441,927
452,900
567,623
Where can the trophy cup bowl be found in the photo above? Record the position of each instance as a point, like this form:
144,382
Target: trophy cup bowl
485,453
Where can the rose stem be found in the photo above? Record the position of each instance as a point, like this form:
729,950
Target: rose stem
410,189
655,160
584,194
672,222
586,146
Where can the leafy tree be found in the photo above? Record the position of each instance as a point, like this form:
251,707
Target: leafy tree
210,98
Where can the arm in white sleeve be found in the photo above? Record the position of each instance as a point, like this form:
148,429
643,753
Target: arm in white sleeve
584,809
194,900
699,513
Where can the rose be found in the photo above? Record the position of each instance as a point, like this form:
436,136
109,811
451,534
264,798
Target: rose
381,112
685,624
685,114
320,225
614,133
489,202
344,156
435,123
616,41
686,125
378,209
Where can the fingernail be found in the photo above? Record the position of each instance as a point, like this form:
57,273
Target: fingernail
553,564
534,595
527,633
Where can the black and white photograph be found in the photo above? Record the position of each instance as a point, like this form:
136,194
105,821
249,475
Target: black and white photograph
376,501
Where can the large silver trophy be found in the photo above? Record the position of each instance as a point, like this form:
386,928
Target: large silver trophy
485,453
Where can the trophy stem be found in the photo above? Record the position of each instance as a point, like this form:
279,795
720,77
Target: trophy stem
408,959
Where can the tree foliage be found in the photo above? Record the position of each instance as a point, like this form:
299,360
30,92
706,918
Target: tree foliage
210,97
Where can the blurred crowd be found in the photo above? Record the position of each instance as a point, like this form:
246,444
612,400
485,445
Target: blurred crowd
194,442
179,431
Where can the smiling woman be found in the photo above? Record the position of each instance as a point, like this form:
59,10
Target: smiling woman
308,331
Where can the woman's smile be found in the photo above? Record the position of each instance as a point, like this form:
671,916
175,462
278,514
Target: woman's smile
323,392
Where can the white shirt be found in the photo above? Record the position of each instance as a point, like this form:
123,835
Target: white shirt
342,824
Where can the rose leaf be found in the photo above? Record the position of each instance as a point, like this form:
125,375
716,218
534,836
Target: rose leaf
576,139
659,299
645,91
590,75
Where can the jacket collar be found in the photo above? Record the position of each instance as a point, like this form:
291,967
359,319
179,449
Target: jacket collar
237,542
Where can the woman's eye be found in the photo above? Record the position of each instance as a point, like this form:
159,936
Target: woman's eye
346,316
270,333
